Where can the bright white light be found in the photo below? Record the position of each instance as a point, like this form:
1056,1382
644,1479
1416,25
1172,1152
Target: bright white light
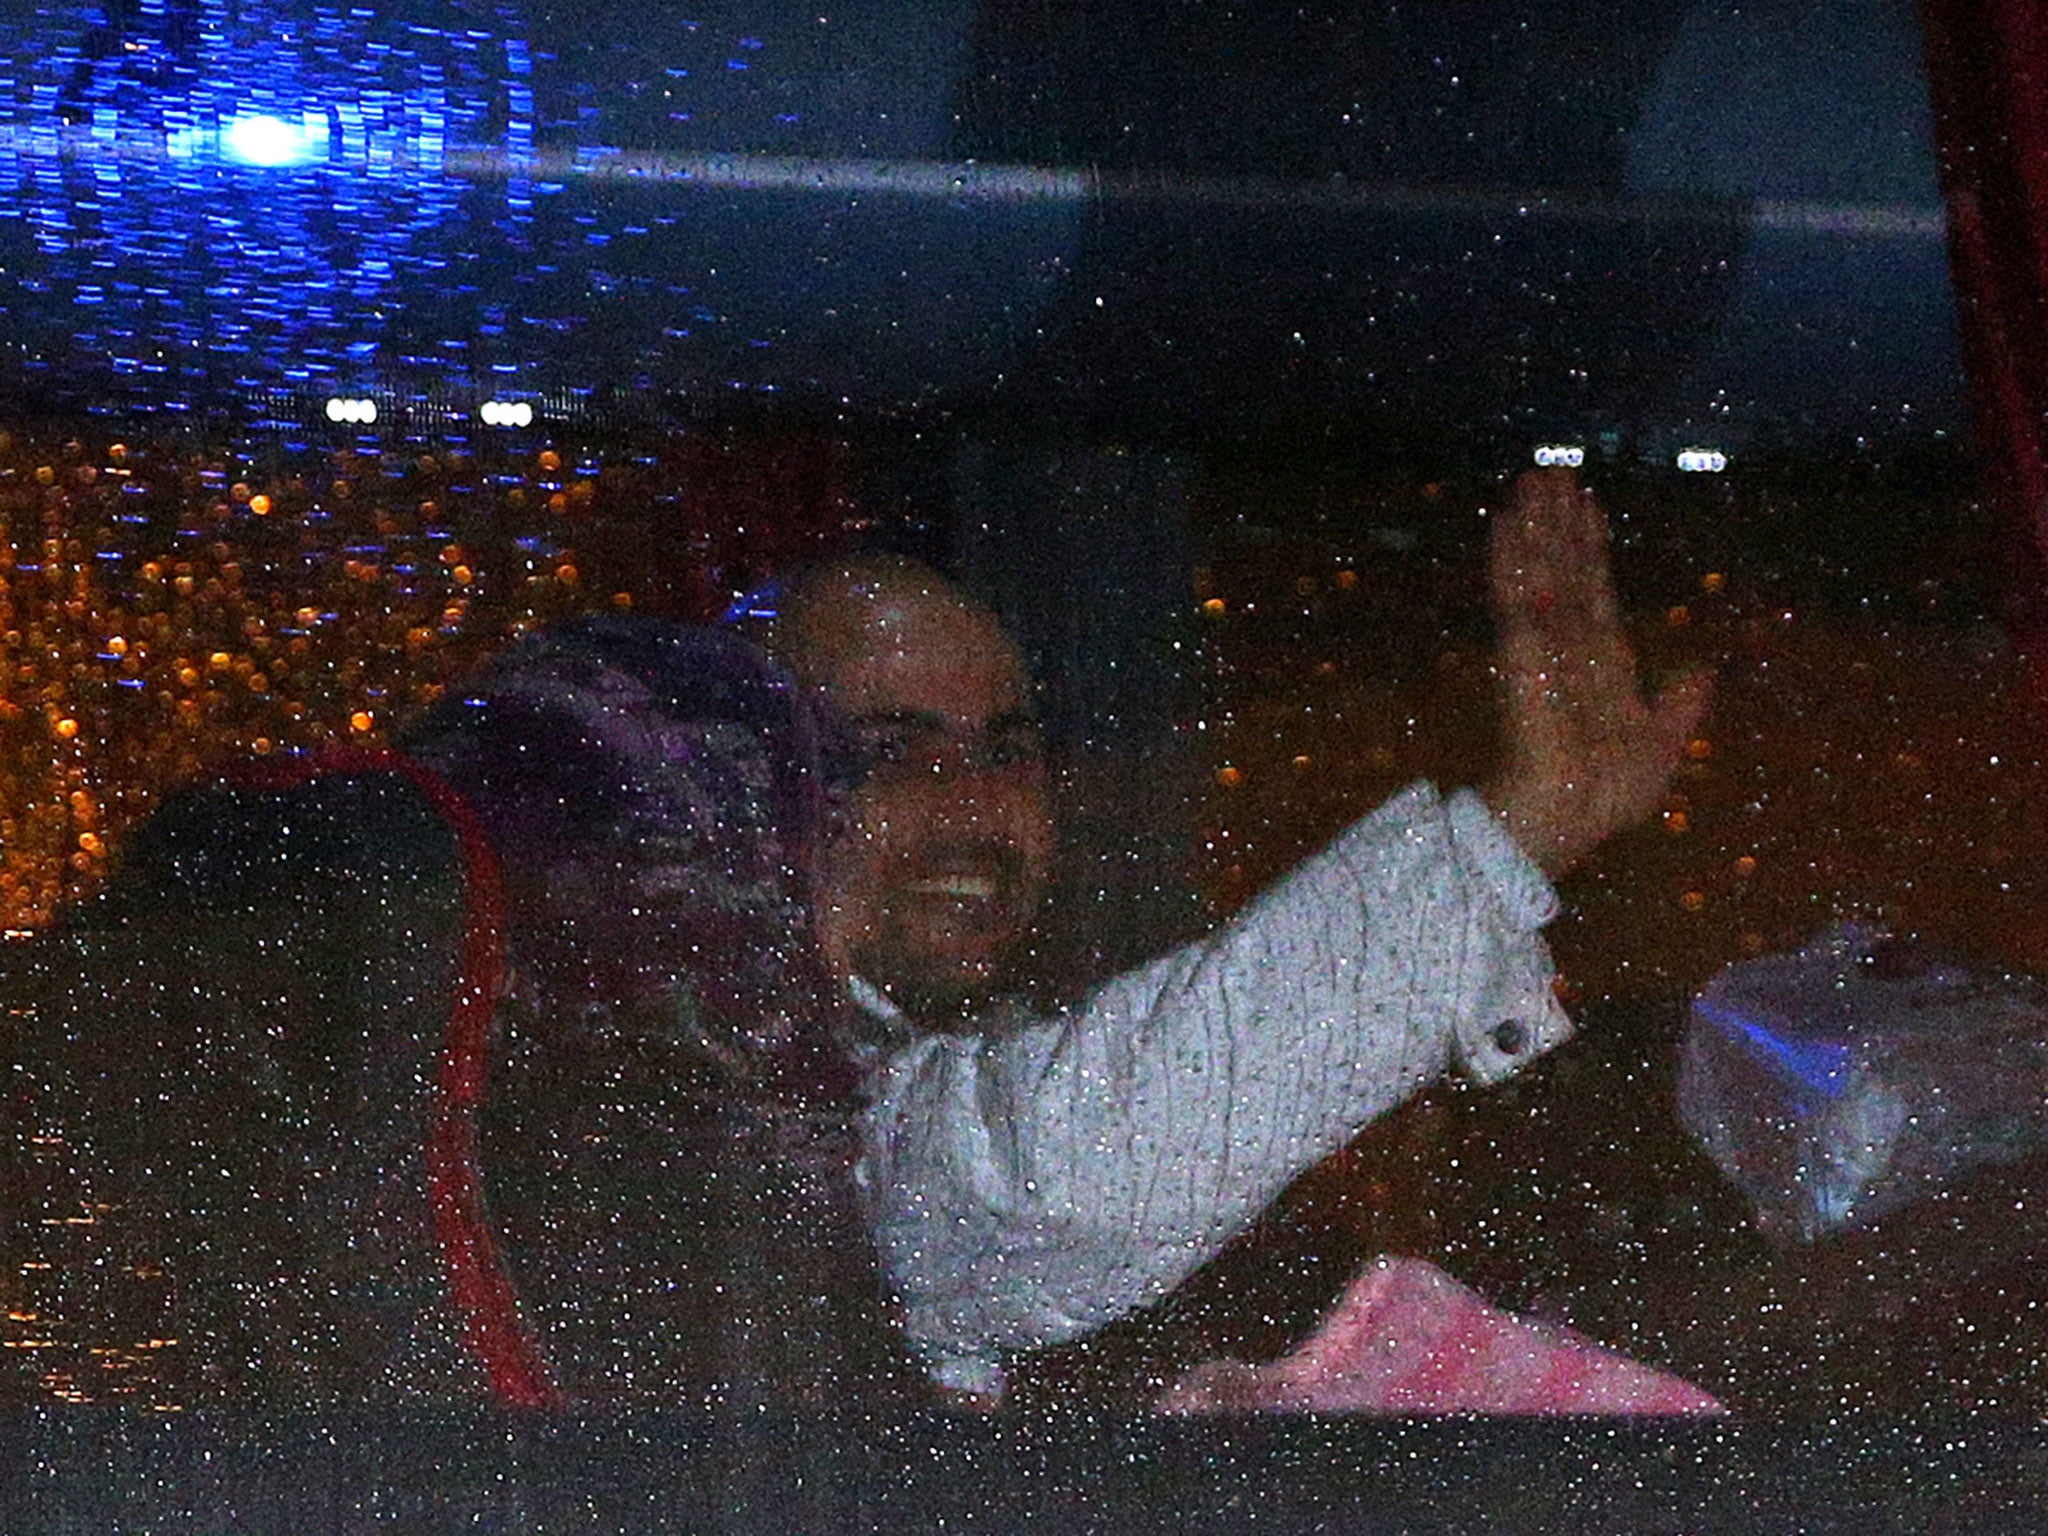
342,409
1702,461
506,413
1567,455
268,141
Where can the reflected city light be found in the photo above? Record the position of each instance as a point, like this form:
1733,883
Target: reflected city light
341,408
506,413
273,142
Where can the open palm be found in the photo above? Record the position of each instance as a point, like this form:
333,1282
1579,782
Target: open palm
1586,752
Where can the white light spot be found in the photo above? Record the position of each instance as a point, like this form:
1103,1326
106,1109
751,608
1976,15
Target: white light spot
261,139
341,408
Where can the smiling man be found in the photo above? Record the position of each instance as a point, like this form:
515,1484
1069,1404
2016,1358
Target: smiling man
1033,1178
932,890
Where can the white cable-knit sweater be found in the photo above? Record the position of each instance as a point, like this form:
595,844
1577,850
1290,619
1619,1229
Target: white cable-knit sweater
1038,1179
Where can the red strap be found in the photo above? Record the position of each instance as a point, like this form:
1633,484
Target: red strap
478,1282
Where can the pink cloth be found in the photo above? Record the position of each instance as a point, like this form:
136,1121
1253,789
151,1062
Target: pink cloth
1408,1339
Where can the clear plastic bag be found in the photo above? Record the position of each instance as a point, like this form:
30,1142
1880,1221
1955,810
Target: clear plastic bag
1861,1074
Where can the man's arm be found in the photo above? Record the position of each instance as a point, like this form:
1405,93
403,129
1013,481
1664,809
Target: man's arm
1039,1182
1036,1184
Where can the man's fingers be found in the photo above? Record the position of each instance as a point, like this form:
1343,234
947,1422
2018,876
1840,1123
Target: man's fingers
1526,535
1588,568
1548,562
1569,526
1679,709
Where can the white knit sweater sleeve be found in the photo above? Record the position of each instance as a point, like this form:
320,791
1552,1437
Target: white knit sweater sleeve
1034,1184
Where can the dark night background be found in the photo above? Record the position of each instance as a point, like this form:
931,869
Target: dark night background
1302,227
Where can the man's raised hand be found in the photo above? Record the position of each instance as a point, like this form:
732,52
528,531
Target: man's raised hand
1585,753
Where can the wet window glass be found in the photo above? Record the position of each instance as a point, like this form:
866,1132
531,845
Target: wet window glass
961,711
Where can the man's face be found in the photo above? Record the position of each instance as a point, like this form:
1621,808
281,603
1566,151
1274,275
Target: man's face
932,892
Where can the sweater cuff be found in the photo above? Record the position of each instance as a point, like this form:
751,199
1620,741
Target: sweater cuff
1487,847
1514,1015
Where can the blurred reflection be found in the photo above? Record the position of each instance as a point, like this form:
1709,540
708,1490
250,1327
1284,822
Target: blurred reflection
489,284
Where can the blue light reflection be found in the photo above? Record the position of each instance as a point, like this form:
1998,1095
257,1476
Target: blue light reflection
261,139
414,198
